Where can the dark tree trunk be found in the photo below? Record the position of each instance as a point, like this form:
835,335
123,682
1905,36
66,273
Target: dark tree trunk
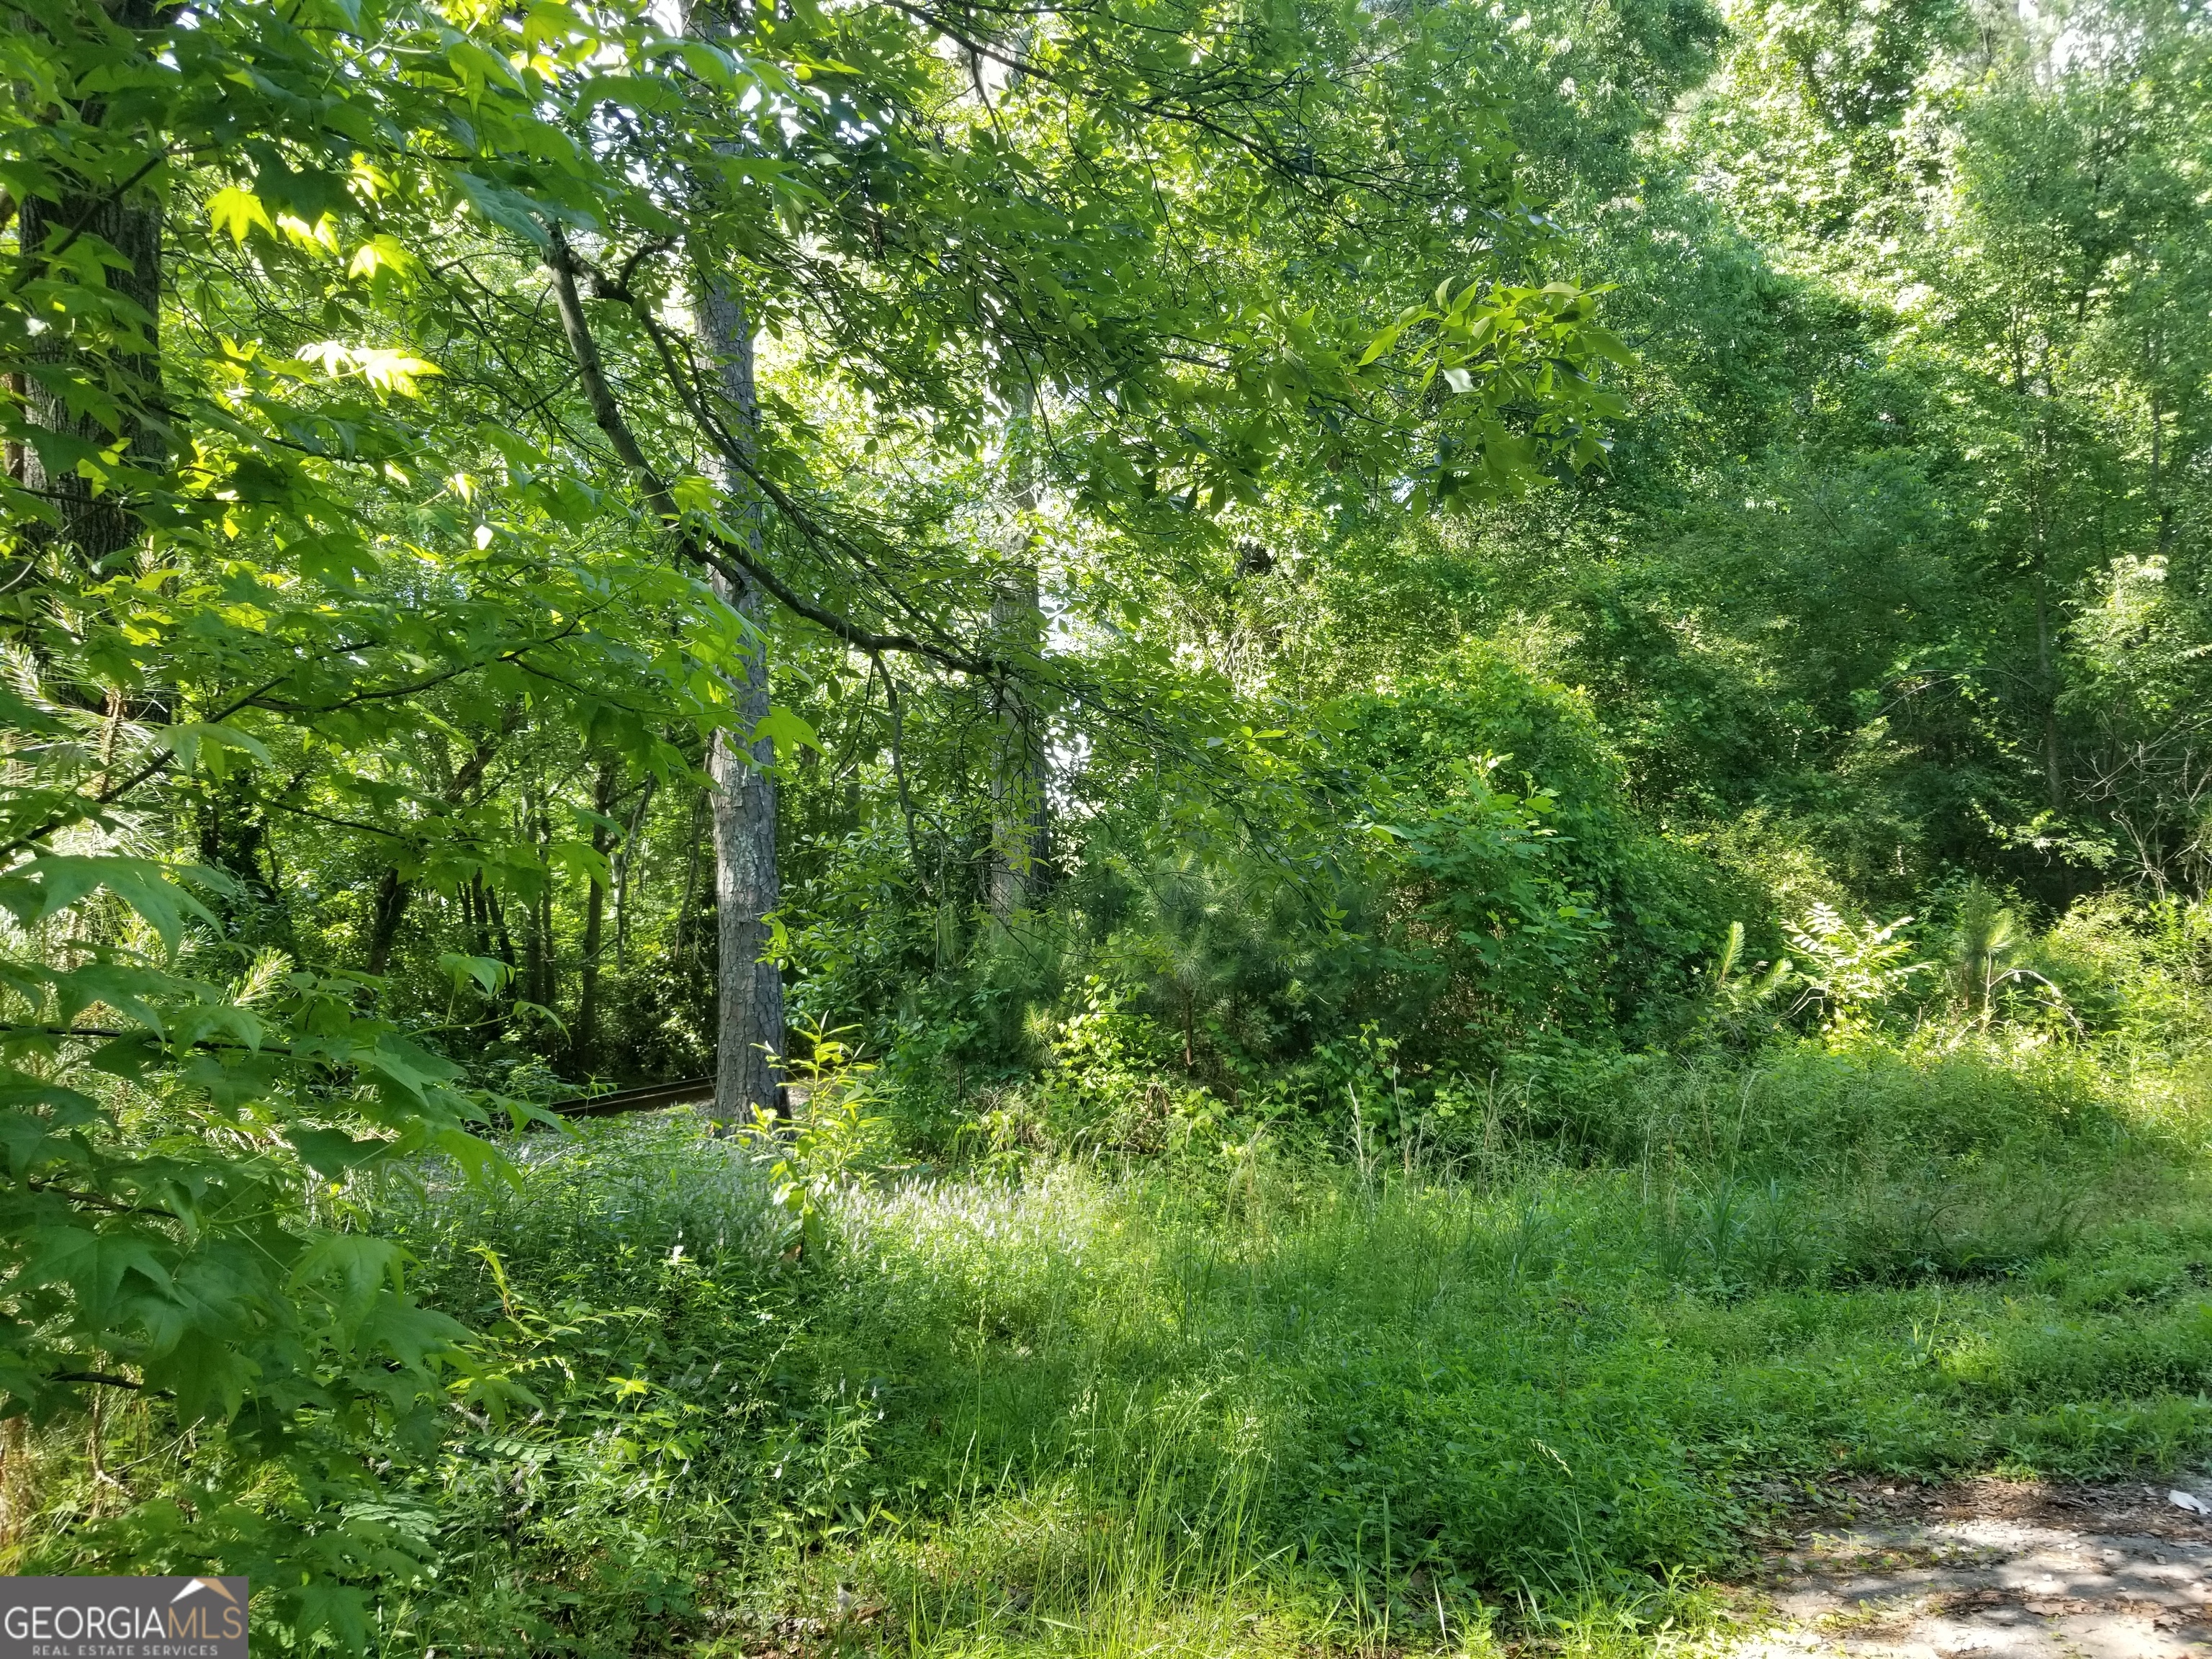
540,974
95,525
583,1048
497,914
392,895
395,892
549,958
687,918
625,865
478,904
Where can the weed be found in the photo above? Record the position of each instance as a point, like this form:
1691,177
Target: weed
1257,1402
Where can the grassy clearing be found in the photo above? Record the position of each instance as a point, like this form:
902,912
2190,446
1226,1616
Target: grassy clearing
1544,1386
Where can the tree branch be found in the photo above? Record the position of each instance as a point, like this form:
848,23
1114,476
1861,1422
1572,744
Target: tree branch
104,1379
716,552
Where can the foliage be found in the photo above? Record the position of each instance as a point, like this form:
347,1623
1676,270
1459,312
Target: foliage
303,530
1539,1383
824,1145
1363,627
1852,967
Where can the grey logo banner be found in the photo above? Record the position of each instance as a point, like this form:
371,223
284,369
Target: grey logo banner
122,1619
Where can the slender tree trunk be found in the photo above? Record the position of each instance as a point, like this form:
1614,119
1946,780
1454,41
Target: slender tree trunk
392,894
2163,508
624,858
749,1034
497,913
584,1045
2047,666
2047,673
479,914
687,922
549,958
2053,777
1019,826
541,968
533,941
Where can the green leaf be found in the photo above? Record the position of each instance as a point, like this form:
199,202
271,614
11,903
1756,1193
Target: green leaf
1605,345
92,1264
239,211
1380,344
332,1152
191,740
341,1609
120,986
411,1333
355,1264
489,972
787,731
48,885
68,1106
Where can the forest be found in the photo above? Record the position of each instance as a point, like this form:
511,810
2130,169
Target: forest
1422,790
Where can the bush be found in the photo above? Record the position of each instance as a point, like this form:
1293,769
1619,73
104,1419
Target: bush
1806,1102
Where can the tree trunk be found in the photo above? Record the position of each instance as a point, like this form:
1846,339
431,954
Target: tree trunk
687,920
748,1032
95,526
395,892
541,973
2046,668
2047,676
625,857
497,913
584,1045
749,1028
1019,826
392,894
548,959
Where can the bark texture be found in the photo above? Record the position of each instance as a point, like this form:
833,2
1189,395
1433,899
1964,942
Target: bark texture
96,524
93,523
749,1010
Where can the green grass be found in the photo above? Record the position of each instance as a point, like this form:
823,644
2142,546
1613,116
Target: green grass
1260,1403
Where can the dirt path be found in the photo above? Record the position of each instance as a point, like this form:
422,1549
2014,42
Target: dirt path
1995,1570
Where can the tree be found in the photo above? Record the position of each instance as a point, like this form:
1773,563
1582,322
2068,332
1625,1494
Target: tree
333,552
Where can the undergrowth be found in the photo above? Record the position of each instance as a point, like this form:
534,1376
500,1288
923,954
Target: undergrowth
1543,1382
1249,1399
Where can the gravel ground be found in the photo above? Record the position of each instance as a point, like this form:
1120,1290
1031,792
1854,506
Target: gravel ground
1992,1569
